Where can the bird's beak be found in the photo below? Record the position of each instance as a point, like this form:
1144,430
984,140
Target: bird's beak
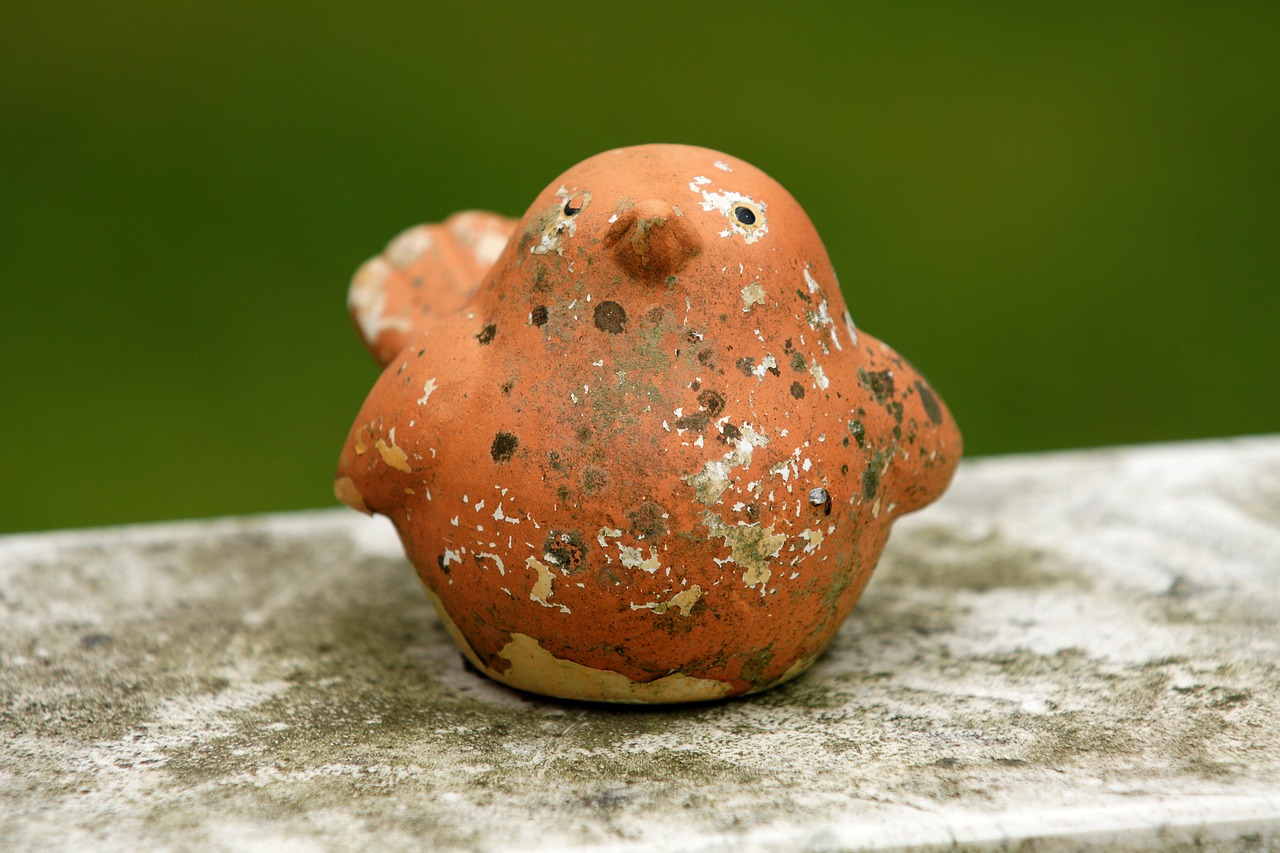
653,240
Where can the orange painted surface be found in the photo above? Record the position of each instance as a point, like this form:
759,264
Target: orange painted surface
648,436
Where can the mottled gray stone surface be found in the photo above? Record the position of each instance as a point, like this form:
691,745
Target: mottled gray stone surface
1070,649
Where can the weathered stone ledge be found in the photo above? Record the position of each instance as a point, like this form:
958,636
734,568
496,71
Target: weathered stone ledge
1074,649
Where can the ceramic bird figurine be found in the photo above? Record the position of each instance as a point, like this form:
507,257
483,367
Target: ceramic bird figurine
634,444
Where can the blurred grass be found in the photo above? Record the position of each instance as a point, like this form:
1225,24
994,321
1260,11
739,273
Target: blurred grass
1068,219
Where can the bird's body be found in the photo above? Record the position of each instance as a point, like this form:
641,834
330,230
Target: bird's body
650,458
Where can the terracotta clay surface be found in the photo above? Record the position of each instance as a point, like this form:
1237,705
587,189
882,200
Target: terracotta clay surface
641,453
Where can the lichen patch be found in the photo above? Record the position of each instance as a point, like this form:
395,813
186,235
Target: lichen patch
751,546
683,601
634,558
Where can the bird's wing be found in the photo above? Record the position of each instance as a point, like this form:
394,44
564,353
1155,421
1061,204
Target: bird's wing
425,273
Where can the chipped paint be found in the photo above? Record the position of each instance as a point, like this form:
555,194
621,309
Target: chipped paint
751,225
367,301
533,667
345,490
713,480
819,375
392,454
543,587
497,561
796,669
751,547
752,294
427,388
814,539
767,364
634,558
683,601
820,318
562,224
850,328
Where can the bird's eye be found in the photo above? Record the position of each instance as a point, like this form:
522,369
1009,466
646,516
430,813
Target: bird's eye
575,204
747,217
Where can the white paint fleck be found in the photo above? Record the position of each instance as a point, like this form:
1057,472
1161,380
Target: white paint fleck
367,301
814,287
765,365
850,328
484,555
407,246
722,166
713,480
819,376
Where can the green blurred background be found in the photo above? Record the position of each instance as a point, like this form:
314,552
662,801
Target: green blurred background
1068,219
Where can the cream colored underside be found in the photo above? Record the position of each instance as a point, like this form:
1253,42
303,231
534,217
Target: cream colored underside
535,669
